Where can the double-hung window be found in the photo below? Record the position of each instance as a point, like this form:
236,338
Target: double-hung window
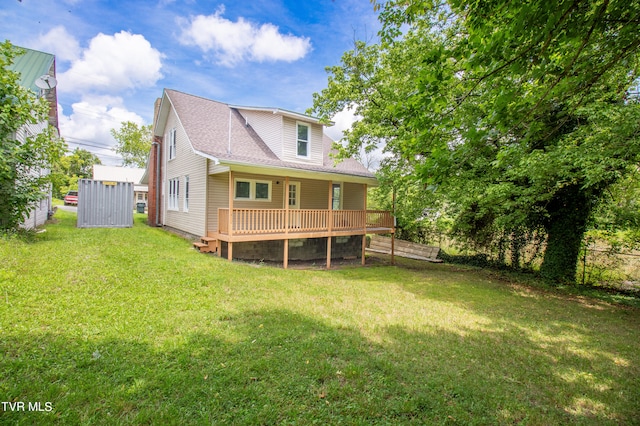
304,135
172,144
252,190
186,193
174,193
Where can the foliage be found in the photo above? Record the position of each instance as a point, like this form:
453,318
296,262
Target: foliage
134,143
139,328
66,172
518,112
26,152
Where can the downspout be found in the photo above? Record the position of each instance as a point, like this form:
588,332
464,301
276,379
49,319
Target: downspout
157,148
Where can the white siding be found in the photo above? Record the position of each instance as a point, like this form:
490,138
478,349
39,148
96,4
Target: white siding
268,126
185,163
290,142
38,215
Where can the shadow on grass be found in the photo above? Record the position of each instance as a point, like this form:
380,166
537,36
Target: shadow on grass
277,367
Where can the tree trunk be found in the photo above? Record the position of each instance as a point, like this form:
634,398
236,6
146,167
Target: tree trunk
569,212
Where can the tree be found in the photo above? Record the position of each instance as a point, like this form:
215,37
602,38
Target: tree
24,157
518,111
66,172
133,143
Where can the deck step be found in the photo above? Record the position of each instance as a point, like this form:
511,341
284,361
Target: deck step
207,245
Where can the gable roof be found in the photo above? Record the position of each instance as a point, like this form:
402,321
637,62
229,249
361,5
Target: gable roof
219,132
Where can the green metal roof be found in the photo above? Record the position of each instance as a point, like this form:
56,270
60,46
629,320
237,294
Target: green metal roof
31,65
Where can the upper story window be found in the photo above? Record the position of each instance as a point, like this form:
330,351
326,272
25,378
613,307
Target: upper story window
304,135
172,144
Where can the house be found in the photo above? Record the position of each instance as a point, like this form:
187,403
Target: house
256,183
37,72
123,174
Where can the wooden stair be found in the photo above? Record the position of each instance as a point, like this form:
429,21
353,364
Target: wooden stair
206,245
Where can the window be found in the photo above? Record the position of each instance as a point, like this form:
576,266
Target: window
252,190
243,189
174,193
336,190
172,144
262,191
186,193
303,140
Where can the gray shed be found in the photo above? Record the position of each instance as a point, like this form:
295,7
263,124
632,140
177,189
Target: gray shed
105,204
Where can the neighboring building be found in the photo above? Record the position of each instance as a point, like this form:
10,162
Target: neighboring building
123,174
31,66
270,168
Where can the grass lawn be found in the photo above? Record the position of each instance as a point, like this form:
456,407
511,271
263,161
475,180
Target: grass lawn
122,326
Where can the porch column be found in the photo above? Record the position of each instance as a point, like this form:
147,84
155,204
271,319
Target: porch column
329,224
364,224
393,234
286,221
230,218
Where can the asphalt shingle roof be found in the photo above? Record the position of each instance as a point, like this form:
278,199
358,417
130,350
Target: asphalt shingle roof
207,123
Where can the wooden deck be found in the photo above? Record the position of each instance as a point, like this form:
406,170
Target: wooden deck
288,224
245,225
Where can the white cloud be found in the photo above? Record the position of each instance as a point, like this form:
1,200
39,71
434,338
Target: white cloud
59,42
343,121
234,42
88,125
114,63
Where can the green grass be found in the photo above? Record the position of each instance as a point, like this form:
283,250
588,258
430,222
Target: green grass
122,326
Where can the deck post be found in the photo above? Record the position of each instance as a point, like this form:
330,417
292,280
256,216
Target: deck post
286,254
286,221
329,223
230,225
364,224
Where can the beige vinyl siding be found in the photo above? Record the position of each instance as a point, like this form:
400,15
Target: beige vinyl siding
353,196
290,142
276,193
314,194
218,198
185,163
268,126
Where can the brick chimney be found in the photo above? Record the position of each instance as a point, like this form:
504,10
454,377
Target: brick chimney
154,202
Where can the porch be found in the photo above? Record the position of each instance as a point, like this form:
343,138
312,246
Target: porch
251,225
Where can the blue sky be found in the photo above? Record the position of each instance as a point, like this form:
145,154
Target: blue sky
113,58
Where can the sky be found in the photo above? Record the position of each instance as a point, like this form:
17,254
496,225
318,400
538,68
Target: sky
114,58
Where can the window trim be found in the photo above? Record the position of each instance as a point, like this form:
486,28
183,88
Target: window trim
186,194
308,141
173,199
252,190
172,144
340,197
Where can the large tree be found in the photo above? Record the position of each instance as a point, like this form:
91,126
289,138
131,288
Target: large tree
66,172
520,112
134,143
25,157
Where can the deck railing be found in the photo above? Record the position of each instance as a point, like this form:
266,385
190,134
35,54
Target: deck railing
272,221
